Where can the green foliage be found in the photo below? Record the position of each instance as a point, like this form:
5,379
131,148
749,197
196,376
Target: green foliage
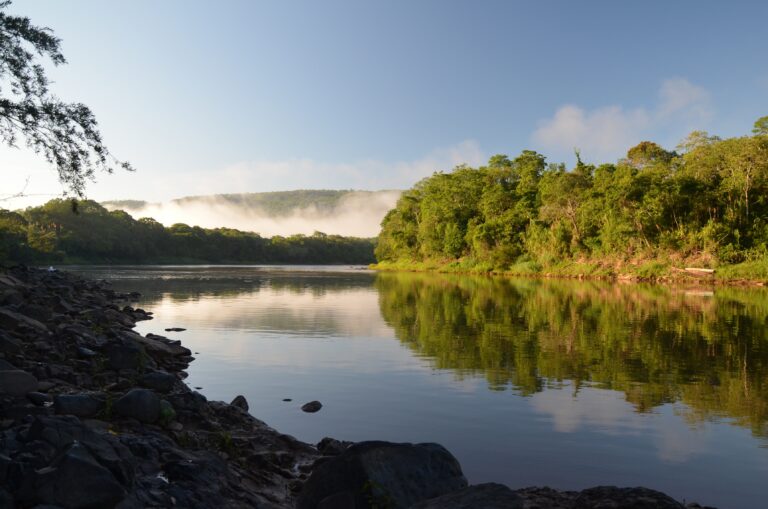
53,233
707,204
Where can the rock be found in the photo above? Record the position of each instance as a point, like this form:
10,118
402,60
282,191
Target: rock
331,447
548,498
76,480
9,345
140,404
7,366
79,405
611,497
287,399
124,356
175,329
159,381
240,402
38,398
311,407
17,382
384,474
11,320
487,496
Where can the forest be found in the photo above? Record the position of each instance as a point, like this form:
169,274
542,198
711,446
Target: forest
57,232
704,204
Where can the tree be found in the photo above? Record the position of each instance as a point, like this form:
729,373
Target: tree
761,126
66,134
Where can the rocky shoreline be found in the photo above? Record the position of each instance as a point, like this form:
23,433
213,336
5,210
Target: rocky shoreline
93,414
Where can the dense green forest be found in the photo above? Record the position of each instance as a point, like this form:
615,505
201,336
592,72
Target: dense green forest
705,204
273,204
657,344
53,233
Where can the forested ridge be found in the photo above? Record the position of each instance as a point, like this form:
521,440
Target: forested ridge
705,204
53,233
275,203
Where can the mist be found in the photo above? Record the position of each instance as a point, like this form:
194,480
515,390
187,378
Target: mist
355,214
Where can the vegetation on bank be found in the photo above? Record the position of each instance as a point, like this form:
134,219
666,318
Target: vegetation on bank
52,233
650,214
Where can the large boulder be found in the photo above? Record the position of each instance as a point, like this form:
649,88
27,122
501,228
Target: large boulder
17,382
487,496
382,474
140,404
76,480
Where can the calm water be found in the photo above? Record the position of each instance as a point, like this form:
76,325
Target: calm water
566,384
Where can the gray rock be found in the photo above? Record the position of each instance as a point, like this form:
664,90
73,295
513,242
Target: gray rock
140,404
7,366
17,382
11,320
79,405
124,356
487,496
240,402
384,474
38,398
611,497
9,345
331,447
76,480
159,381
311,407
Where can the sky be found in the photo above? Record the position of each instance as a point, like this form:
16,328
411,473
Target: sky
246,96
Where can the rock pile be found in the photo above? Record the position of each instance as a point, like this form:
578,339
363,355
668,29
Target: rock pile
93,414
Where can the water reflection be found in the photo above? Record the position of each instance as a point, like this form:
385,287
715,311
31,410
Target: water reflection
655,344
566,384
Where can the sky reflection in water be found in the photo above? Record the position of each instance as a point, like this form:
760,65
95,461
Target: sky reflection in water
567,384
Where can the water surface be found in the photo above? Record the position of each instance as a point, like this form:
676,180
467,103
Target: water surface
558,383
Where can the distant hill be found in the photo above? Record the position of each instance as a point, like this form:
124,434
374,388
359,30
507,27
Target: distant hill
343,212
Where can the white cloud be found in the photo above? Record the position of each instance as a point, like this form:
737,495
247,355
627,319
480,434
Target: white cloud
607,132
240,177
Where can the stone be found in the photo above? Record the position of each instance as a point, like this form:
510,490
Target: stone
159,381
175,329
240,402
79,405
9,345
167,412
311,407
17,382
384,474
487,496
612,497
76,480
11,320
140,404
39,398
331,447
124,356
7,366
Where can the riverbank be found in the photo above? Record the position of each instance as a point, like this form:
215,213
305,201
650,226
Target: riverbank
753,273
89,403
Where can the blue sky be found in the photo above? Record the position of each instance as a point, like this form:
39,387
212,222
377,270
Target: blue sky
245,96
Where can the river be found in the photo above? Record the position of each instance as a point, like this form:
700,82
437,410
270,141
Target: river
568,384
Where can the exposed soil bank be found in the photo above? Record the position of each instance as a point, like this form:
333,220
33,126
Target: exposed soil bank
93,414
